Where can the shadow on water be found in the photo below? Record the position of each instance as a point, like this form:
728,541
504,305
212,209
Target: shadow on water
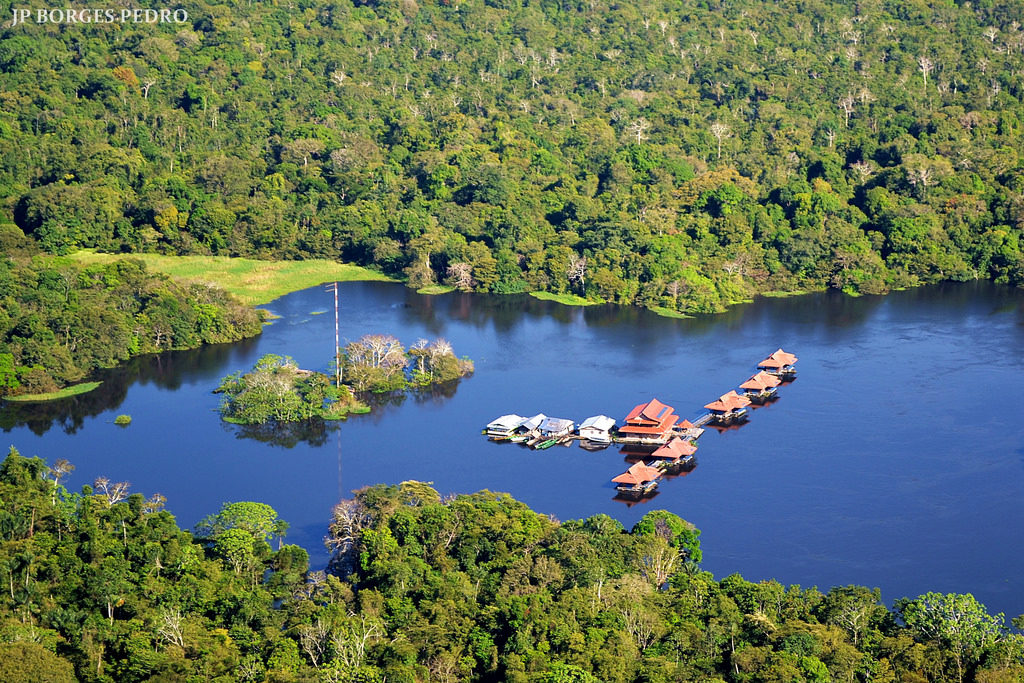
630,502
287,434
166,370
857,475
315,432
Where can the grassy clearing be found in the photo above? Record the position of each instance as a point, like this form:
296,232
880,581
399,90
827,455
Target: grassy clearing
567,299
669,312
73,390
435,289
253,282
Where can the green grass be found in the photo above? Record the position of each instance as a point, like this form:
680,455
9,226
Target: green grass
782,295
567,299
435,289
253,282
669,312
73,390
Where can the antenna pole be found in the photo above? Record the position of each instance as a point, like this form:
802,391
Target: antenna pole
337,342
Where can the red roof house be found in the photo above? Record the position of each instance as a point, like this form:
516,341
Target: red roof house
761,381
675,449
650,421
778,360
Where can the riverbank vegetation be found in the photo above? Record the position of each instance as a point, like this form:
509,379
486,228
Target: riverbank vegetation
251,281
278,390
477,587
681,156
73,390
61,320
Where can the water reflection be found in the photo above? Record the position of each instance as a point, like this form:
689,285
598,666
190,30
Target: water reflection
312,432
167,371
857,476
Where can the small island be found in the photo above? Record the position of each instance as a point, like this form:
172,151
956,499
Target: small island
378,363
278,390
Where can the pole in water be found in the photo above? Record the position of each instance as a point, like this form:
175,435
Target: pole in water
337,342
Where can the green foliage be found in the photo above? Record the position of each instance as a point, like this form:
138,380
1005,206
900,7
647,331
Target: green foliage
258,520
105,587
123,420
958,623
379,363
22,662
277,390
680,156
59,320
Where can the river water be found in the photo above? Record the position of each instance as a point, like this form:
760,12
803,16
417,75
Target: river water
896,459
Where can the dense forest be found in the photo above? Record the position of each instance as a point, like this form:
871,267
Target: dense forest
677,155
102,585
60,320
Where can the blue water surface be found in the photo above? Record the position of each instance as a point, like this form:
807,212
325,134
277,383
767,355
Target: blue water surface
896,459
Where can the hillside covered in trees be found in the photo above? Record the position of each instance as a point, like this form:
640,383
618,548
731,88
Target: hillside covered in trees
671,154
103,586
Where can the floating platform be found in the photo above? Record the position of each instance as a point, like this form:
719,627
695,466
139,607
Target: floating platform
637,491
731,418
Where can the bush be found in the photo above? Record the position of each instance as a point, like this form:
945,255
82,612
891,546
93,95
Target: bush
123,420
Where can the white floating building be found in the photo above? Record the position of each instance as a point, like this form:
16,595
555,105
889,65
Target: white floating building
597,429
506,425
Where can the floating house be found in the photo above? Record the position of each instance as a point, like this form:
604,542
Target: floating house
651,422
761,388
505,426
555,427
675,455
779,364
597,429
531,424
638,481
728,409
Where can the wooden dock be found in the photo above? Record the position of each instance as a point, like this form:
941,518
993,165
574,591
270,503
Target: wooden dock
702,420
